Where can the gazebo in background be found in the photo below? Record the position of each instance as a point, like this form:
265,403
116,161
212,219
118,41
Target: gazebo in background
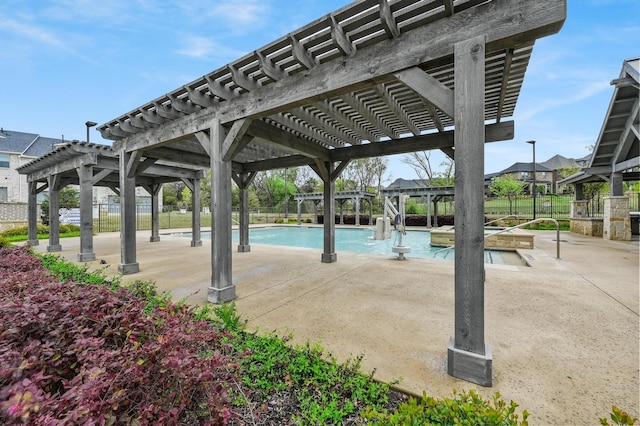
615,159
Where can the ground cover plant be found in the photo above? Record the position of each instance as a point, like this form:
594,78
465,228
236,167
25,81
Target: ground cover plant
77,347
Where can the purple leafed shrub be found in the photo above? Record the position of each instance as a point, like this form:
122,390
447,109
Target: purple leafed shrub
72,353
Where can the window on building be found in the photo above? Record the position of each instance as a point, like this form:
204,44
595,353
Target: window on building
544,174
4,161
524,175
3,194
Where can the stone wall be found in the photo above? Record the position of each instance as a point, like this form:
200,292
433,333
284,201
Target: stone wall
14,215
589,226
617,222
513,240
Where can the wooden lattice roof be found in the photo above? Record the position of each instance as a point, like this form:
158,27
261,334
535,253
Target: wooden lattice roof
353,77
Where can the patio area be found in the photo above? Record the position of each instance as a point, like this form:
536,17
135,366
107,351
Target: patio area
564,333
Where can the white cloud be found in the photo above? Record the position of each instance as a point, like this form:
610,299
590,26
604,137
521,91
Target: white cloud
33,33
198,47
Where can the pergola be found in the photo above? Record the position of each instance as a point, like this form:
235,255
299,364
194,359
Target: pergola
616,156
434,193
374,78
88,165
341,197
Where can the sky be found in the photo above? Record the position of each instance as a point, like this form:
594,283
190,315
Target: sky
66,62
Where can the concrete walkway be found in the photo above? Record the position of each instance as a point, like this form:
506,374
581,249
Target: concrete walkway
564,333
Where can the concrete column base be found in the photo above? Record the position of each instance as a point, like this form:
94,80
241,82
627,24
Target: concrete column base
56,247
196,243
128,268
154,239
470,366
33,242
221,295
244,248
329,257
86,257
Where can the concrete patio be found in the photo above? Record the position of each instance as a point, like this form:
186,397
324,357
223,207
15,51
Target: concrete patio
564,333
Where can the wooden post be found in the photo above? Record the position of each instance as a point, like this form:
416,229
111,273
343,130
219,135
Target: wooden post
196,238
243,181
329,254
54,214
469,358
155,212
85,173
32,218
222,288
128,263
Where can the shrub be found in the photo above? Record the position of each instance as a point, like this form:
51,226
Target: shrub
619,417
85,354
4,242
464,409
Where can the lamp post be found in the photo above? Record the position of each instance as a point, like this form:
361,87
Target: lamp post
89,124
535,189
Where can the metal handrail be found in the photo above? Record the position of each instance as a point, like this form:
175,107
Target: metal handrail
543,219
502,218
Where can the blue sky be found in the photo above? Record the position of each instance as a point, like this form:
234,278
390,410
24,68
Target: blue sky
65,62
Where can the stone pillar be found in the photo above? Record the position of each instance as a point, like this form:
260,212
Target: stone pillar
128,263
300,212
429,211
32,214
579,209
617,222
469,357
54,214
357,211
222,288
196,239
85,173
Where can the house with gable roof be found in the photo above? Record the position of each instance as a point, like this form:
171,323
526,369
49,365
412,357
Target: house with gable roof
18,149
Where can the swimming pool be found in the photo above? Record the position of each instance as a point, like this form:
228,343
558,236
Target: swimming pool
358,240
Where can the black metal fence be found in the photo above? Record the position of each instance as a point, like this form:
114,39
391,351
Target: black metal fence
107,216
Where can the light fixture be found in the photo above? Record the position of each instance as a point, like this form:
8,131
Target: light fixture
535,189
89,124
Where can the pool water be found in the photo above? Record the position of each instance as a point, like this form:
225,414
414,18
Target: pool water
358,240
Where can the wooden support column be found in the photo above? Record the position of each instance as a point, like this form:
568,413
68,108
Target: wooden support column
469,357
300,212
429,211
128,263
615,184
154,191
341,204
54,214
579,192
329,254
222,288
32,214
85,174
196,239
243,180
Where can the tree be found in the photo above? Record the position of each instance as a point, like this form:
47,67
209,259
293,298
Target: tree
366,174
506,186
420,162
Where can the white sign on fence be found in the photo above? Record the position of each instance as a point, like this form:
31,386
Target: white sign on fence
69,216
